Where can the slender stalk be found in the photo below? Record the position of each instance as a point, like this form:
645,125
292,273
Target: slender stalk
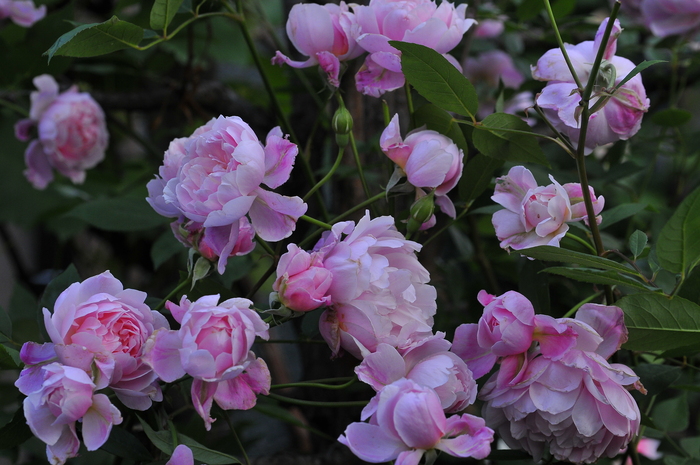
480,126
265,246
355,153
409,103
581,241
316,222
263,279
311,403
179,287
235,436
14,107
560,42
569,148
331,172
316,385
584,301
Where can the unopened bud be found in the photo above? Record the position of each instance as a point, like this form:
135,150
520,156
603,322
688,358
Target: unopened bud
342,125
421,211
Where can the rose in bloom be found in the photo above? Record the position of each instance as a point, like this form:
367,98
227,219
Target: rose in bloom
379,289
536,215
427,158
64,396
214,178
324,34
417,21
73,135
97,324
302,281
492,66
671,17
23,13
619,119
406,421
213,346
429,364
489,28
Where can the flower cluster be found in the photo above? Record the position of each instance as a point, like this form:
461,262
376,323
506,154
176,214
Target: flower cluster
537,215
72,134
554,387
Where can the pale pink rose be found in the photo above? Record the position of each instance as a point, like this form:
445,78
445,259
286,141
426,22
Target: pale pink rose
214,178
216,243
213,346
492,66
73,135
536,215
324,34
427,158
416,21
182,455
429,363
406,420
22,12
379,290
489,28
65,396
671,17
302,281
619,119
100,327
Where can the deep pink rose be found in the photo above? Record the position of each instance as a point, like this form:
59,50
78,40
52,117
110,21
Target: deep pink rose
619,119
302,281
22,12
73,135
99,325
406,421
213,346
324,34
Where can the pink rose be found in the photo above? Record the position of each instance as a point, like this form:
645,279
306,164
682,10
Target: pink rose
323,33
182,455
213,346
214,178
302,281
406,421
671,17
427,158
417,21
66,395
22,12
99,325
489,28
72,133
492,66
619,119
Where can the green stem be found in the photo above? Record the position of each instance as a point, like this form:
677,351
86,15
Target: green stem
290,400
316,222
330,174
235,437
179,287
409,103
316,385
578,305
263,278
355,153
480,126
560,42
265,246
14,107
567,145
181,27
581,241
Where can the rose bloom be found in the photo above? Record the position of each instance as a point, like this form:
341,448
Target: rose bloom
73,135
22,12
492,66
323,33
619,119
671,17
416,21
97,324
213,346
302,281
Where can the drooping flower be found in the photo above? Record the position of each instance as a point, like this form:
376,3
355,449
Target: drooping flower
417,21
537,215
22,12
619,119
324,34
671,17
406,421
214,178
302,281
213,346
98,325
72,133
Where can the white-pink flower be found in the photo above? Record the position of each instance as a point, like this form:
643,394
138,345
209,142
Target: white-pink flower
213,346
324,34
72,133
619,119
302,281
671,17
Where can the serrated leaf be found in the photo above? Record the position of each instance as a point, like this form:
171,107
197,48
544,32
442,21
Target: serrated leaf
619,213
15,432
657,378
437,79
593,276
637,242
163,12
57,285
556,254
656,322
118,214
678,244
636,70
671,117
95,39
503,145
477,176
439,120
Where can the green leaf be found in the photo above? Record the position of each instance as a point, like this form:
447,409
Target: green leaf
437,79
676,460
161,439
678,245
163,12
636,70
477,176
200,271
504,145
691,446
671,117
684,351
589,275
439,120
671,415
95,39
118,214
619,213
164,247
15,432
9,358
124,444
690,289
637,243
529,9
57,285
656,322
657,378
556,254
